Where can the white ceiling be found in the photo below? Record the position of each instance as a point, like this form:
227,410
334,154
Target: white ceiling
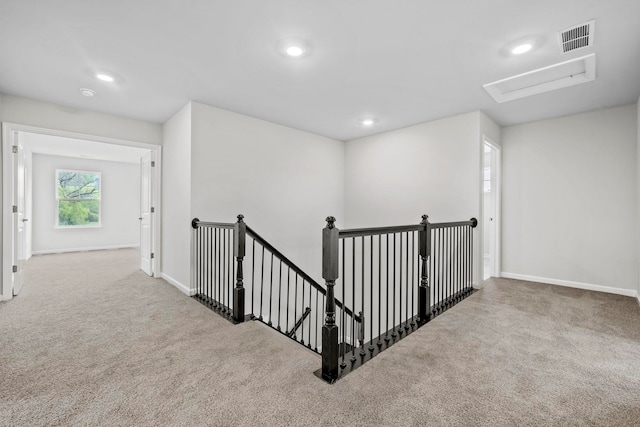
71,147
402,62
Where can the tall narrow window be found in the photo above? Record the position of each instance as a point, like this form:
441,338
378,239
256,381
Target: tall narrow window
78,195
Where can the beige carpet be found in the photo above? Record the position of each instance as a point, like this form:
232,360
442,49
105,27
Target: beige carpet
93,341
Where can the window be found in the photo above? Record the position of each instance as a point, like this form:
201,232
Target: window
78,195
487,180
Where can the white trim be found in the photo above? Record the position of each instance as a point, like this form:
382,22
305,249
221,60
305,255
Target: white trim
497,215
544,79
6,286
182,288
570,284
89,248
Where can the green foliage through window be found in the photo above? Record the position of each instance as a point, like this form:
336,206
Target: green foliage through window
78,195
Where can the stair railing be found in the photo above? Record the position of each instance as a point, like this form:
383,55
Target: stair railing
384,274
242,276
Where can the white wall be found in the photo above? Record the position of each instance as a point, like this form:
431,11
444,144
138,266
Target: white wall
569,200
46,115
51,116
176,198
433,168
638,186
120,206
284,181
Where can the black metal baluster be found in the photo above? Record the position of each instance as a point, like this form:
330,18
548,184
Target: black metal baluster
454,264
271,293
230,283
343,327
217,263
317,323
471,254
196,248
209,268
466,259
459,262
441,268
253,275
400,286
371,348
295,306
353,299
362,320
393,320
379,290
288,298
309,328
224,269
302,311
406,298
386,332
261,283
413,279
279,295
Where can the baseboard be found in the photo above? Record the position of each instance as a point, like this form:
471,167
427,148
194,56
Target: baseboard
570,284
182,288
89,248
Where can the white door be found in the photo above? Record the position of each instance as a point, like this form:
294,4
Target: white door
146,213
19,243
491,210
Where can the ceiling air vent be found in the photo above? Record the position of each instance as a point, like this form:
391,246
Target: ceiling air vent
577,37
556,76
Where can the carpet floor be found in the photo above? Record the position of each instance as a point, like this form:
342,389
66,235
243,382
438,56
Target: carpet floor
93,341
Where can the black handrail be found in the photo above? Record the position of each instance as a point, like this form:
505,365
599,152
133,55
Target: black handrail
357,232
297,270
195,223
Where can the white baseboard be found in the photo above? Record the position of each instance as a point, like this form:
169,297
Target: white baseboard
88,248
182,288
570,284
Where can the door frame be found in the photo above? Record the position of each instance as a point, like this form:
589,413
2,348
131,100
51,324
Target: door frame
8,179
497,265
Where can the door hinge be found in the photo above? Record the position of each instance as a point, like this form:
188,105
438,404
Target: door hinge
153,164
152,255
14,209
153,210
14,149
15,269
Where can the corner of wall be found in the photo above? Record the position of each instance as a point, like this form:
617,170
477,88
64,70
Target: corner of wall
638,190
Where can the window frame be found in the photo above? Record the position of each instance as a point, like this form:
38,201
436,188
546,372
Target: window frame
57,224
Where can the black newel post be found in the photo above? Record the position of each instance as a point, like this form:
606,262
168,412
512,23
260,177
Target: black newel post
240,230
330,274
424,303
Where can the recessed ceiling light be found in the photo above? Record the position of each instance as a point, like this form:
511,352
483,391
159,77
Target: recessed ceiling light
87,92
294,48
521,48
295,51
368,122
105,77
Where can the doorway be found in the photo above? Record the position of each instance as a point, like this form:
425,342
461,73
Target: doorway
74,147
491,189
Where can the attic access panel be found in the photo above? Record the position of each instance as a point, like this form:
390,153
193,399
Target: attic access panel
564,74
